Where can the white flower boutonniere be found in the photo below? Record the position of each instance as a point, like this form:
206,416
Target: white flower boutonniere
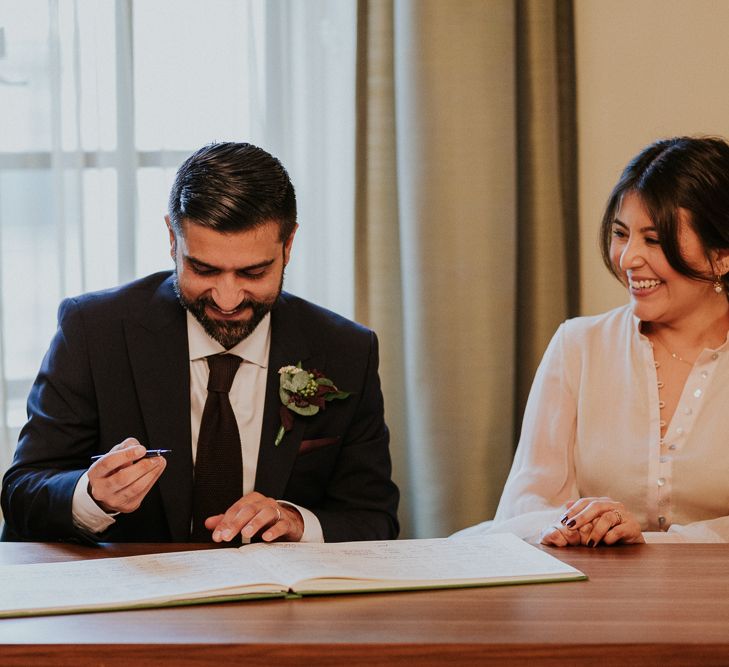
304,393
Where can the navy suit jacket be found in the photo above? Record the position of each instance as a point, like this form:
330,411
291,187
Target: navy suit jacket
118,367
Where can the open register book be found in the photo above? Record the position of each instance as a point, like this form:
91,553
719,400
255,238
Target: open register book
273,570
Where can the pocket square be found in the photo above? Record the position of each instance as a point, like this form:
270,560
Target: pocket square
307,446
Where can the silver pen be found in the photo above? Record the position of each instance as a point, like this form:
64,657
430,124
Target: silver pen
151,453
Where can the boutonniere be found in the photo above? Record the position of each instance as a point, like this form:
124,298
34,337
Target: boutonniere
304,393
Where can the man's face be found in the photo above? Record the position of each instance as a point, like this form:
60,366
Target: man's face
229,281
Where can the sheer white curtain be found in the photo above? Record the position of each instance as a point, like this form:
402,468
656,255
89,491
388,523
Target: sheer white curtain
99,104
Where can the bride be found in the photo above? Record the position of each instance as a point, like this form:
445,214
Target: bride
626,432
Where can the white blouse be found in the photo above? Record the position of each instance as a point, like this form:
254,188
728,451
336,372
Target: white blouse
592,428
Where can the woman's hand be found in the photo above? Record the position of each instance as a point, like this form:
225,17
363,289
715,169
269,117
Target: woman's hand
605,520
557,535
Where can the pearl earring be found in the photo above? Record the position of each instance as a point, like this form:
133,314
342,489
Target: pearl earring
717,285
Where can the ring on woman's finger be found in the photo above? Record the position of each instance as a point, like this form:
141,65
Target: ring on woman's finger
278,514
619,516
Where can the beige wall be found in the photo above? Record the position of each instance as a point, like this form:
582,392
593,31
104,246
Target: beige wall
645,69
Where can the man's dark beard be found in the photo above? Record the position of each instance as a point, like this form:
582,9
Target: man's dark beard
227,333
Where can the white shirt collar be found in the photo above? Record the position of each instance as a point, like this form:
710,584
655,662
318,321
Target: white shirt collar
254,348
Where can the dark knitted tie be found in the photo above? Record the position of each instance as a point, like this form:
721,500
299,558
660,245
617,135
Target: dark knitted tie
218,464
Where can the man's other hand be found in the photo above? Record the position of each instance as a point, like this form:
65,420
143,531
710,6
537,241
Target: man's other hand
254,513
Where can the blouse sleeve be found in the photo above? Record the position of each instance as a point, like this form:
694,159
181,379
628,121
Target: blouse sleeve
542,477
712,530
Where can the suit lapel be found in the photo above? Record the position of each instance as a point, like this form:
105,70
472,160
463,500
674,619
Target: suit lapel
288,347
158,351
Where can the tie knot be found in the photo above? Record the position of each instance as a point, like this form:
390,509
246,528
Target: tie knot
223,368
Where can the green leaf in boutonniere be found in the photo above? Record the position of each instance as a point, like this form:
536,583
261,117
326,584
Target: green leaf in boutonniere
303,393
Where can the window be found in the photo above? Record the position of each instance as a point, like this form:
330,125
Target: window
99,104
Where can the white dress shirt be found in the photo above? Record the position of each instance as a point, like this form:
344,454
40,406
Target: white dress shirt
592,428
247,397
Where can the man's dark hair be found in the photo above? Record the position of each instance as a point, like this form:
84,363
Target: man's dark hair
684,172
232,187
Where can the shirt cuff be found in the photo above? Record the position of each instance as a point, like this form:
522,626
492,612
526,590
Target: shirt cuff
312,526
87,515
659,537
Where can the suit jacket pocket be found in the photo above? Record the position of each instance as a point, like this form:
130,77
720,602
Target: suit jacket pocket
307,446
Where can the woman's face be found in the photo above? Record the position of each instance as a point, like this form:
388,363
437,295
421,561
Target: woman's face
658,293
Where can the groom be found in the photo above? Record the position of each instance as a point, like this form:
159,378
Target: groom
136,368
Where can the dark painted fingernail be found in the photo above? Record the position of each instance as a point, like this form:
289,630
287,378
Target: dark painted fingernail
572,523
590,543
564,520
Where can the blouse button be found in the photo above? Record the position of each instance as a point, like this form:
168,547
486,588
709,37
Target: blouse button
704,374
679,431
661,404
660,384
698,393
661,481
715,356
662,522
672,447
656,364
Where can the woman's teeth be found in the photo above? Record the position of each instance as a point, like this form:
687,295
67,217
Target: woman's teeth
644,284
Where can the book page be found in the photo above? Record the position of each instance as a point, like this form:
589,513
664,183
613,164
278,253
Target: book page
272,569
496,558
108,582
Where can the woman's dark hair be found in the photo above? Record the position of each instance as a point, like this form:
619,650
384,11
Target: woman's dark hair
684,172
231,187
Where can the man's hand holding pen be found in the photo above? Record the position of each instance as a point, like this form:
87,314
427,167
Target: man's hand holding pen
120,479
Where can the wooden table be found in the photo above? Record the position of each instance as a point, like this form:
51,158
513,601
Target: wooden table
644,604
